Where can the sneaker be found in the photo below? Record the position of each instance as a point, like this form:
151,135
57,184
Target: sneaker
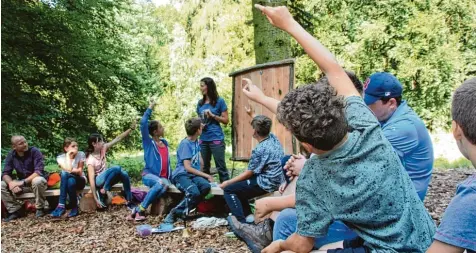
257,237
13,216
140,216
131,206
40,213
74,212
170,218
58,212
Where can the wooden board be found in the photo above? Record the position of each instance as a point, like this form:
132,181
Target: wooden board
275,79
117,187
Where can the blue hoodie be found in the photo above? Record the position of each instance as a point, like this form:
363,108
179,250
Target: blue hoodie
152,158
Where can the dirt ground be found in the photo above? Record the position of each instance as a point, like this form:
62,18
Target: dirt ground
110,232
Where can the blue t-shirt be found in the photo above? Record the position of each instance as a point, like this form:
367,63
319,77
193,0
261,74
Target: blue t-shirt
265,162
458,226
187,150
409,137
212,130
363,184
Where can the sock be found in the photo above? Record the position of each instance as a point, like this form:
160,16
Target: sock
61,206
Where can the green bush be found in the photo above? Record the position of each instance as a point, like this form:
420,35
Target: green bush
443,163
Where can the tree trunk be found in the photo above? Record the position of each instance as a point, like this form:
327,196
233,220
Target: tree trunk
270,43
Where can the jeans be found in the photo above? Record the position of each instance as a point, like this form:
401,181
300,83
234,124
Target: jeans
70,183
286,225
355,245
237,195
217,149
158,186
194,187
38,187
112,176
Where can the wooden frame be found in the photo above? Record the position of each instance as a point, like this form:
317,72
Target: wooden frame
276,79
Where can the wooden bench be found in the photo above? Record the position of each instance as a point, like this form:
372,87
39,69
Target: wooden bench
161,207
117,187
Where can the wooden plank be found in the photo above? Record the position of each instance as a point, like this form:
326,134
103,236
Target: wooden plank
117,187
262,66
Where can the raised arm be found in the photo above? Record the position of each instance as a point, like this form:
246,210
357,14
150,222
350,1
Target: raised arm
144,122
281,18
121,136
256,95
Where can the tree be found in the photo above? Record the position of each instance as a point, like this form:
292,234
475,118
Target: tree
270,43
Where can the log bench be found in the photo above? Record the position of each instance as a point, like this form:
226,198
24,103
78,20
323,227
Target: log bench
161,207
87,203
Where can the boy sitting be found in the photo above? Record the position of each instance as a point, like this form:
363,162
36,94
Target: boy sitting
355,176
187,176
457,230
264,172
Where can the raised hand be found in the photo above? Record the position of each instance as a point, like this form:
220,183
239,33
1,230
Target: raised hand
133,124
278,16
251,90
250,110
152,102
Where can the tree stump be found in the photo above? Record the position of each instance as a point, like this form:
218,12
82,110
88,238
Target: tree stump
87,203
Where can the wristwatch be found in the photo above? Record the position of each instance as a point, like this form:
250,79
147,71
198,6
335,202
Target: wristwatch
24,182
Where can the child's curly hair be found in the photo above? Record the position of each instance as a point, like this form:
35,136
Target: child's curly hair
315,115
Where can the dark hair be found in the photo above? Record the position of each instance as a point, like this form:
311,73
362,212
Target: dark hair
355,80
315,115
93,138
211,91
262,125
153,125
67,141
398,99
463,109
192,125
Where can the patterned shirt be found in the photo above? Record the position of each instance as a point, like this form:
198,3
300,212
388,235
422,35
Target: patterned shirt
265,162
363,184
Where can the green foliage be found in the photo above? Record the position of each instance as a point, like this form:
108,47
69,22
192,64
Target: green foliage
70,68
428,45
442,163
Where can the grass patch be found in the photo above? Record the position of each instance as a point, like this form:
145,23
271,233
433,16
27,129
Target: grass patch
442,163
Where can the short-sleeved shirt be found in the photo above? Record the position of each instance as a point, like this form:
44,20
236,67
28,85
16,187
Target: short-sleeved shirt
458,226
98,162
187,150
410,139
212,130
265,162
80,157
363,184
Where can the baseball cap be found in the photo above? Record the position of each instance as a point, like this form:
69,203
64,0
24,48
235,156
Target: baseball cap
381,85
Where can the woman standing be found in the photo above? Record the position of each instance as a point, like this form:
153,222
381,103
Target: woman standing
213,111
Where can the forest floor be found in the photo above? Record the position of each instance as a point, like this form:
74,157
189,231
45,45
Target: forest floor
109,232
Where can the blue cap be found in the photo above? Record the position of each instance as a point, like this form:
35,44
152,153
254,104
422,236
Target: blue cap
381,85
